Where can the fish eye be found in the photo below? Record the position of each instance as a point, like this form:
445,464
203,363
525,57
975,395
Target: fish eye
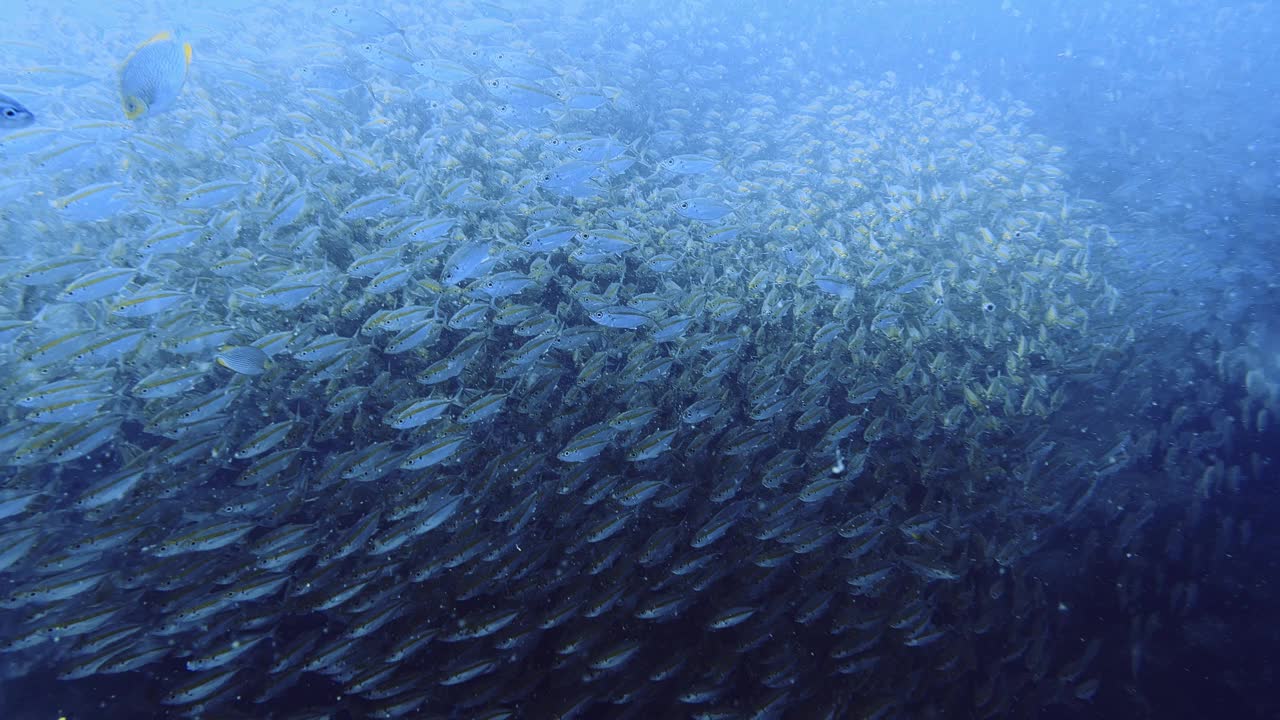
938,301
578,149
10,112
684,205
1017,233
988,307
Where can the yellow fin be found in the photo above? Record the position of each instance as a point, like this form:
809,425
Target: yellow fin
186,51
158,37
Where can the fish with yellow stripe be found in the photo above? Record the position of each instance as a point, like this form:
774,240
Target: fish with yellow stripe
153,75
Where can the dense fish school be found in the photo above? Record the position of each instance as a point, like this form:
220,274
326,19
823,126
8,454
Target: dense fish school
464,363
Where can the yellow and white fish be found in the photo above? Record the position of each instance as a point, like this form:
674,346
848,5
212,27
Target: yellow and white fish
153,74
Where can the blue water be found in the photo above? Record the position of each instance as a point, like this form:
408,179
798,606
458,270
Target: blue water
979,299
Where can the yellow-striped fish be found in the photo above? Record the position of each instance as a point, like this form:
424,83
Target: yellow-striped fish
153,75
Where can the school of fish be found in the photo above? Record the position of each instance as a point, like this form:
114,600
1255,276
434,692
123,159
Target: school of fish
494,366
